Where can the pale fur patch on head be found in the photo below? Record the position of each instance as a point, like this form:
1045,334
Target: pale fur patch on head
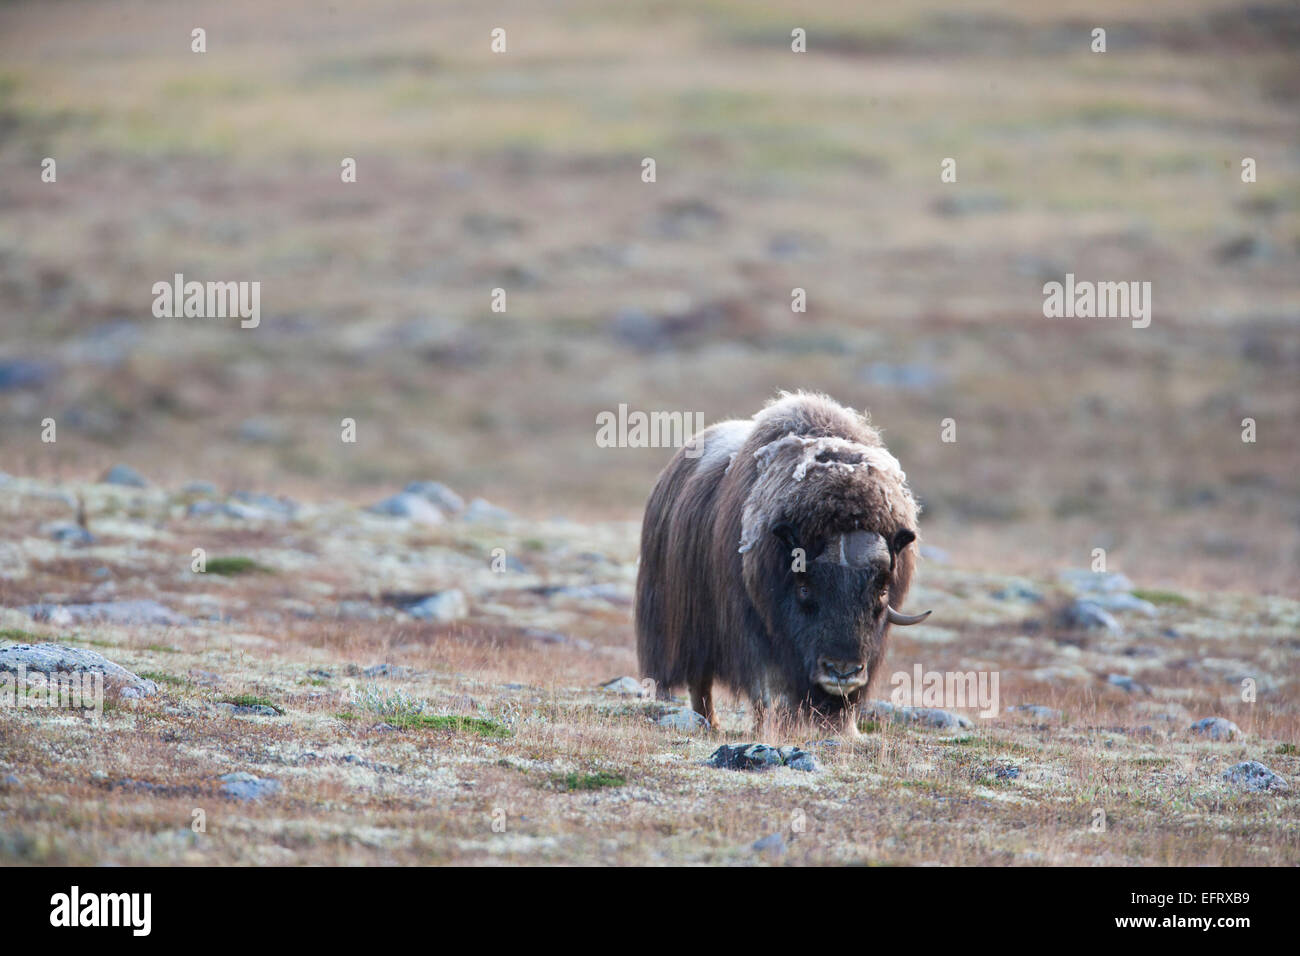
792,461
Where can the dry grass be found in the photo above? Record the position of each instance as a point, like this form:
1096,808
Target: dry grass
477,721
523,172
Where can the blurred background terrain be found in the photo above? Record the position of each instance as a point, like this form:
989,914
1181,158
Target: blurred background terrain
774,171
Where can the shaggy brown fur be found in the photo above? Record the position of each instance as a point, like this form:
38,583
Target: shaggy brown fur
715,556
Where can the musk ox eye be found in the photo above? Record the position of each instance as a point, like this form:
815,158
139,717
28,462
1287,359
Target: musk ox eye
804,592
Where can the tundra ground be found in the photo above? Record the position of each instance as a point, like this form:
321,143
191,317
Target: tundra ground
776,171
499,718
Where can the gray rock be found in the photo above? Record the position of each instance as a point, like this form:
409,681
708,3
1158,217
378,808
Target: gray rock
1119,601
931,717
913,375
58,659
124,613
1253,775
199,488
798,759
613,593
939,556
1242,249
1084,581
1086,615
1216,728
792,246
512,564
625,686
443,606
396,671
762,757
1037,711
1007,772
124,475
277,505
746,757
67,532
358,611
684,719
408,506
1018,592
688,218
259,431
241,509
940,719
438,495
245,786
481,510
206,509
16,373
1127,684
773,844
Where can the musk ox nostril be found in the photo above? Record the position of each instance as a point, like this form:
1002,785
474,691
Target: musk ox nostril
840,670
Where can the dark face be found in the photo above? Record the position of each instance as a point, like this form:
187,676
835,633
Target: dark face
833,606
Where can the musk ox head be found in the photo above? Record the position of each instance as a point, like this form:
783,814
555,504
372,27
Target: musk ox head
823,541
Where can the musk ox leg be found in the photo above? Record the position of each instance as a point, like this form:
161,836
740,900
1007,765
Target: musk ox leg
702,702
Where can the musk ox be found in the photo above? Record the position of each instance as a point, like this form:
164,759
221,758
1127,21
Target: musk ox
775,553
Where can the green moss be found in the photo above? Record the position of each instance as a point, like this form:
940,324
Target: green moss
924,786
481,726
158,677
235,565
1288,749
589,781
1170,598
250,700
868,726
156,648
22,637
346,715
995,747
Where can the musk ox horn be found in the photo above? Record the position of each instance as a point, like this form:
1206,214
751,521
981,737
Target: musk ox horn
899,618
856,549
